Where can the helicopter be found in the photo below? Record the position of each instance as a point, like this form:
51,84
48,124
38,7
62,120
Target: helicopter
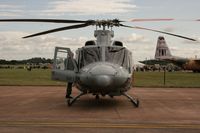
102,66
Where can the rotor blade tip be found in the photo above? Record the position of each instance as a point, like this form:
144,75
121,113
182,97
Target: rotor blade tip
25,37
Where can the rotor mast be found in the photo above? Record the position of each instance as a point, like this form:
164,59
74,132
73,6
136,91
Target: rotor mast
104,36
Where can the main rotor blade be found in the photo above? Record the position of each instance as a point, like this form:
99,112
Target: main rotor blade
142,28
43,20
58,29
157,19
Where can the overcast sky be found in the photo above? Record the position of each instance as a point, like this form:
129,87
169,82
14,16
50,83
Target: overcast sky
141,43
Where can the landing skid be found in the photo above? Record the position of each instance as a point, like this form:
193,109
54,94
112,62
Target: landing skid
132,99
70,101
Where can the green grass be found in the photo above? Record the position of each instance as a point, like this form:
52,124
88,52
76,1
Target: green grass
24,77
173,79
141,79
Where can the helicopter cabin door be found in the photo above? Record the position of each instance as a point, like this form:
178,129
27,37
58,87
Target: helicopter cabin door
64,65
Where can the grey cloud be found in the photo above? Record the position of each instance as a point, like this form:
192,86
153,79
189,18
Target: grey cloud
13,47
89,7
193,42
169,29
134,38
10,10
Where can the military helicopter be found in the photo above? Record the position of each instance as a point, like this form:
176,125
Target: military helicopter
101,67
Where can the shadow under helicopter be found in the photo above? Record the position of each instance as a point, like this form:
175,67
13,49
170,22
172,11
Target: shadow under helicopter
90,103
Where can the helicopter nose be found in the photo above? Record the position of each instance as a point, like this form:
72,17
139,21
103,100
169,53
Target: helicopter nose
99,75
103,70
102,80
102,75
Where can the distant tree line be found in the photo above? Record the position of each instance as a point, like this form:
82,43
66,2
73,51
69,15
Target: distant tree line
36,61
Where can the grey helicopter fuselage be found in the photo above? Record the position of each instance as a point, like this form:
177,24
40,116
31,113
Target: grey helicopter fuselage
102,66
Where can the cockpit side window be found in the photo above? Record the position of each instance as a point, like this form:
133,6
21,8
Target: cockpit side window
118,55
89,55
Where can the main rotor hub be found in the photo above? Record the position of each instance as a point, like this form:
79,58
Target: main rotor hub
105,23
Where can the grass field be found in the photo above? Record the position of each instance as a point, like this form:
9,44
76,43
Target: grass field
172,79
141,79
24,77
